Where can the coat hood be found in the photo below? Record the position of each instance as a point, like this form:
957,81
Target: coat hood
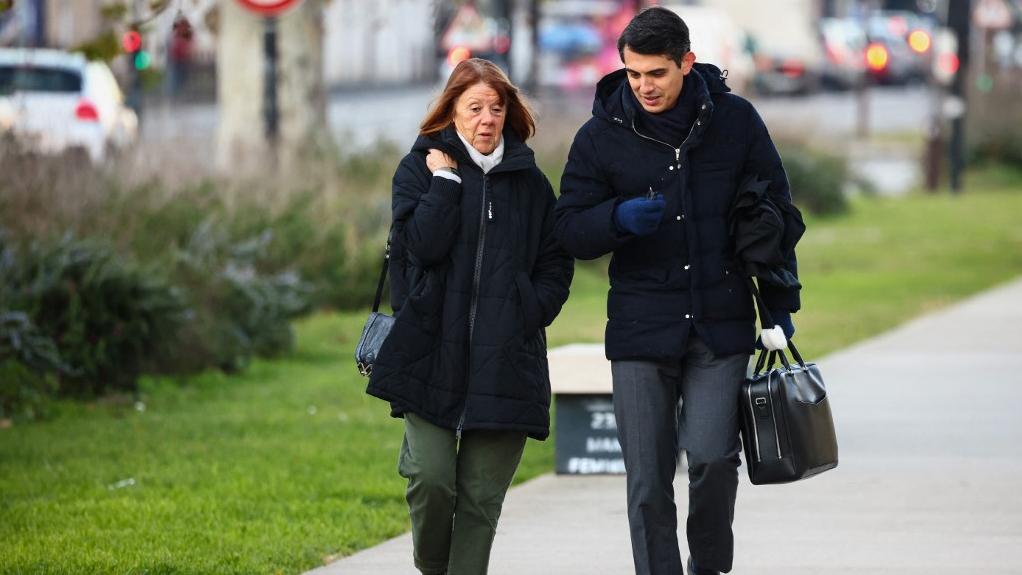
614,101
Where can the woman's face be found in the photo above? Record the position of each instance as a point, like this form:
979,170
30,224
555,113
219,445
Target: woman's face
479,117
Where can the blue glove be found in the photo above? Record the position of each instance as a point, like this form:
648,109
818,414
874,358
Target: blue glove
640,216
783,319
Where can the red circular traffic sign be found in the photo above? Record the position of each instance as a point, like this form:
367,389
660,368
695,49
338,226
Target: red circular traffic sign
268,7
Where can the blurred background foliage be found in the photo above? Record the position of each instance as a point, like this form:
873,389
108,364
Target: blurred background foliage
105,280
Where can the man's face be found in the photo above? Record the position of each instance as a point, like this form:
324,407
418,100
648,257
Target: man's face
656,80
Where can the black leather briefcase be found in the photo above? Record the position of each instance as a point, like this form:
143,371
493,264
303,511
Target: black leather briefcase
786,423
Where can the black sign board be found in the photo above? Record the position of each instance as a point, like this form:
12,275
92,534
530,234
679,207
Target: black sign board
587,435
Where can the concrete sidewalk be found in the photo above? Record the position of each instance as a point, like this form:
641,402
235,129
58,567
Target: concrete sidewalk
929,422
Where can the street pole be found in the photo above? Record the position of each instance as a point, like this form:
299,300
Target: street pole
41,40
505,17
134,98
828,9
935,138
271,115
862,88
862,107
533,79
959,14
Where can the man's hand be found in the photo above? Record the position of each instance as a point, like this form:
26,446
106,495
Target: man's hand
640,216
776,338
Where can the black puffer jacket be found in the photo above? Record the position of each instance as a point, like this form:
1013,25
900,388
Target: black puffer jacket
476,274
683,277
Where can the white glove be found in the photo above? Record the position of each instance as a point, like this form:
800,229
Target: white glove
773,339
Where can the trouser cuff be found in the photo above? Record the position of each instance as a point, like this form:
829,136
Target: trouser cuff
431,568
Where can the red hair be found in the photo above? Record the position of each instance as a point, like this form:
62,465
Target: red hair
468,73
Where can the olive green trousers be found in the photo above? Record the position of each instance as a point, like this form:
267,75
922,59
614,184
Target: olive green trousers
455,493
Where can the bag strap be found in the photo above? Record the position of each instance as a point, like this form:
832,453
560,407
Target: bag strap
383,275
765,320
767,359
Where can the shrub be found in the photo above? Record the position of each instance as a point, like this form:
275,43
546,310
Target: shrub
29,362
24,393
235,310
203,273
334,245
817,180
328,223
21,340
1003,148
106,314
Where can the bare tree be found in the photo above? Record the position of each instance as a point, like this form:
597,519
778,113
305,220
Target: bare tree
242,146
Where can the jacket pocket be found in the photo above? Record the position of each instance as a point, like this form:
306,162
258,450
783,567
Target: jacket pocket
427,294
527,370
532,313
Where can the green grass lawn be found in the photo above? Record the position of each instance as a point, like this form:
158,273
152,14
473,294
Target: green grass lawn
290,463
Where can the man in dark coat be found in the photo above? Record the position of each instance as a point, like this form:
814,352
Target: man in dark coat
651,178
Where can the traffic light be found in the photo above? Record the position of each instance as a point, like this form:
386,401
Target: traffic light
142,60
131,42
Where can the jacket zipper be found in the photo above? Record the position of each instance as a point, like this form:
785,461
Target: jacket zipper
677,155
486,214
677,151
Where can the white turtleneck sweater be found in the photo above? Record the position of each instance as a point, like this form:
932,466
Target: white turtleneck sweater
486,162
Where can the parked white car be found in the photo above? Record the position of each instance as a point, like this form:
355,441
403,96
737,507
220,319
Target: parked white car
54,102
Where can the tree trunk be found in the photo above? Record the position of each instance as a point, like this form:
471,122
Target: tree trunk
242,146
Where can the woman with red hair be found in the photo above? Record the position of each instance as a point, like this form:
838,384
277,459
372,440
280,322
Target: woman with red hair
476,275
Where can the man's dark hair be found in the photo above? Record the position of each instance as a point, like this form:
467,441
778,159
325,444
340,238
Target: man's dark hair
656,31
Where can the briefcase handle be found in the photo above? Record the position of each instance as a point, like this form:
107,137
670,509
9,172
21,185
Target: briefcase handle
768,358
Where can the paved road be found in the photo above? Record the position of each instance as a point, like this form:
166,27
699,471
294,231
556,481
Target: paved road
929,420
359,119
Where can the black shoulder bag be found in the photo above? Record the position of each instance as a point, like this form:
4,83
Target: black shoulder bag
786,423
376,328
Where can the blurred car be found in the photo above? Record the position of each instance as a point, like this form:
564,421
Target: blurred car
889,60
717,40
783,41
469,34
570,53
578,41
570,39
56,102
844,45
915,31
786,71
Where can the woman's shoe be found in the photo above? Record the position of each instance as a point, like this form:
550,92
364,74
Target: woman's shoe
692,570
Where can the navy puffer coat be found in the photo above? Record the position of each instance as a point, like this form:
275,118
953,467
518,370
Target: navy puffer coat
476,275
683,278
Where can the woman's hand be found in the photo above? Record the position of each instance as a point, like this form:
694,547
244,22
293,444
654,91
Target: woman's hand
437,159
